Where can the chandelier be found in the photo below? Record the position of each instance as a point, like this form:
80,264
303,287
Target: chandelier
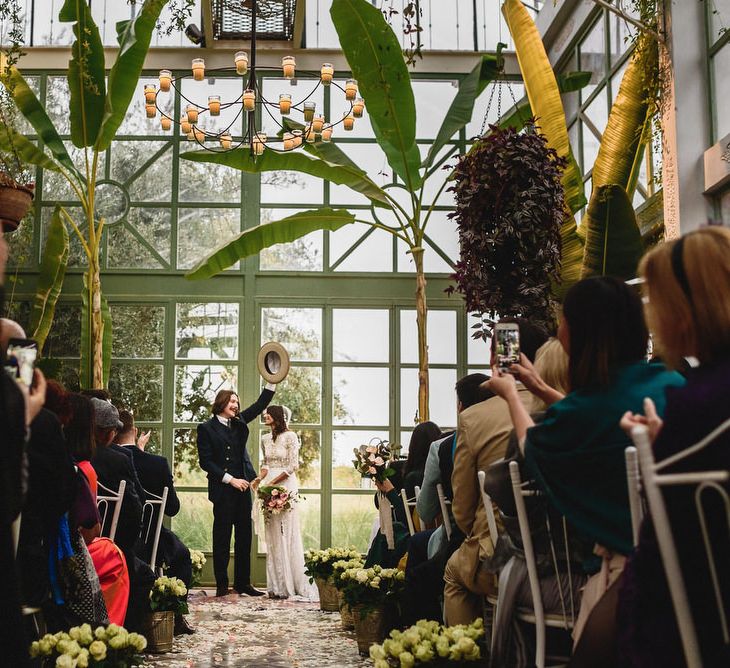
192,122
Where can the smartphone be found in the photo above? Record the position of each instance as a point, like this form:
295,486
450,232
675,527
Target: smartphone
20,360
507,344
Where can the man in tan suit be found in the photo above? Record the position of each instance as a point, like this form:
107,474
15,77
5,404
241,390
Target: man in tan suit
482,436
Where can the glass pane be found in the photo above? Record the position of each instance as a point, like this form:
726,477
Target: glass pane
196,386
597,111
206,331
138,387
360,335
299,330
444,235
571,101
511,91
720,13
138,330
479,352
154,182
371,159
593,56
200,231
22,252
363,394
55,185
206,182
154,445
591,144
187,466
373,253
436,181
352,520
301,391
64,337
58,101
194,523
304,254
131,245
441,400
721,93
344,475
441,330
433,98
621,32
136,122
291,188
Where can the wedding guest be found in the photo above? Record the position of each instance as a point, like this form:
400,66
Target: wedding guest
423,435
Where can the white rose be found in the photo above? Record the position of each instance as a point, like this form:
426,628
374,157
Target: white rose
65,661
82,660
97,649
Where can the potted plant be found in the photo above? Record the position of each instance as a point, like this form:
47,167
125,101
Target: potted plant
338,568
82,647
429,642
198,560
167,599
371,594
319,565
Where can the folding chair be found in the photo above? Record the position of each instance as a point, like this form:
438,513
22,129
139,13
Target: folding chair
706,483
417,490
408,506
151,523
105,501
444,503
489,509
633,480
537,614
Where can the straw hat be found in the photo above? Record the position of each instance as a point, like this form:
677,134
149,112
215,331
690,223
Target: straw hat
273,362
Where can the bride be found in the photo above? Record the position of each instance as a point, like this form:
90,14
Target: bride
285,555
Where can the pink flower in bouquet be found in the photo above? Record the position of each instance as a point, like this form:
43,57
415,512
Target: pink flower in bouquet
371,458
372,470
272,504
284,496
371,448
379,461
274,492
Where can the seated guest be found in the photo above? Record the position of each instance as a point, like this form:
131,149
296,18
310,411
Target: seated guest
576,454
688,310
154,475
423,435
481,439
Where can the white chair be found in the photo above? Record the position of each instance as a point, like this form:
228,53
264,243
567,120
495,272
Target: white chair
151,523
633,480
705,482
417,490
408,506
537,614
107,500
444,503
489,509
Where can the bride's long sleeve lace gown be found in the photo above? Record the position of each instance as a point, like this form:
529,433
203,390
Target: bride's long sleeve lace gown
284,551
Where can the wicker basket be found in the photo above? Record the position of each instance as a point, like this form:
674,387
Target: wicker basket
370,628
327,596
14,205
348,624
158,628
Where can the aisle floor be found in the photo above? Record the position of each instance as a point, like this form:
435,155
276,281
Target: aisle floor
260,633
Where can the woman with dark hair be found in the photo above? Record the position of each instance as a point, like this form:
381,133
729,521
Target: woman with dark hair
284,551
576,454
423,435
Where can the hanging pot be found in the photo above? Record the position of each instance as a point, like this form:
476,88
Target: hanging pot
158,628
15,202
327,595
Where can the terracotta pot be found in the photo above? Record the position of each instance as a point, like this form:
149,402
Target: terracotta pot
14,205
348,623
370,627
327,596
158,627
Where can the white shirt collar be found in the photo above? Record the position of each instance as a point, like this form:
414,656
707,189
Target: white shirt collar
223,420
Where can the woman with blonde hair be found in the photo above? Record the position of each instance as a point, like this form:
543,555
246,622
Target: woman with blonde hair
688,310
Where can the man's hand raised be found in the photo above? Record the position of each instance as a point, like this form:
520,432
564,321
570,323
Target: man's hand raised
240,484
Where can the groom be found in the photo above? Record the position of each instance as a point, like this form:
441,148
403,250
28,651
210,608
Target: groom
222,454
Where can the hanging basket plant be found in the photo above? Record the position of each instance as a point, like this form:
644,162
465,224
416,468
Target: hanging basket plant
509,209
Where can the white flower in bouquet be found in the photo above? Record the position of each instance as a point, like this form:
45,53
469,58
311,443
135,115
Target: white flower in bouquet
138,641
100,633
118,642
65,661
97,649
82,660
112,630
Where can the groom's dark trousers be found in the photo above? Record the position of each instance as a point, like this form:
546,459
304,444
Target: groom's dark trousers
221,450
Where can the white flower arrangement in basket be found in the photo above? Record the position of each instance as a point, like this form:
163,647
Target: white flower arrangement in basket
198,561
320,563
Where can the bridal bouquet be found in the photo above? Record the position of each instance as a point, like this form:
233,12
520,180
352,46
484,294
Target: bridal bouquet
320,563
429,642
275,500
373,460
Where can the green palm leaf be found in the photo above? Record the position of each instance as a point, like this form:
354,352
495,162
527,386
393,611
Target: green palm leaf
12,141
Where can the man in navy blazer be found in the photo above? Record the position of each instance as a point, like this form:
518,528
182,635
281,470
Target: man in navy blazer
223,455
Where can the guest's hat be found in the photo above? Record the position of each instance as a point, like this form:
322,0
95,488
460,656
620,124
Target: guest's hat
106,415
273,362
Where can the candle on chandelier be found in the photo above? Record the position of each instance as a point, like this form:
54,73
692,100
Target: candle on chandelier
198,69
350,89
192,111
214,105
311,135
327,133
258,143
199,135
165,79
226,141
241,60
288,141
358,106
166,122
249,99
288,64
190,135
296,138
185,124
285,104
326,73
150,93
309,108
151,110
348,121
318,123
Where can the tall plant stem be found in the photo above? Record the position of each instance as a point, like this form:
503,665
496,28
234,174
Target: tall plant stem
421,317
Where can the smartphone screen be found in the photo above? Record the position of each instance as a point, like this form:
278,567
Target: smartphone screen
507,347
20,359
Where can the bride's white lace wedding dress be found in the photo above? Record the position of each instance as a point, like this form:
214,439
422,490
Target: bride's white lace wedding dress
284,552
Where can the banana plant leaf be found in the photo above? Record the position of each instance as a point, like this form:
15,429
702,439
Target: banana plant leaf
50,278
376,60
29,153
271,161
328,151
36,115
613,243
544,95
134,38
462,106
86,73
571,257
254,240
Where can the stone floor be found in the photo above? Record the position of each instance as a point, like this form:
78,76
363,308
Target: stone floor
260,633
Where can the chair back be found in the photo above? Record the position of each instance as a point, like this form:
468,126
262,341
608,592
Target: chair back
706,484
153,513
110,500
408,506
444,504
417,491
633,480
488,509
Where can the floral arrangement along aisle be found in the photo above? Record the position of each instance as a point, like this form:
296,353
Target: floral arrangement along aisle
429,642
110,647
167,599
338,569
319,566
198,560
